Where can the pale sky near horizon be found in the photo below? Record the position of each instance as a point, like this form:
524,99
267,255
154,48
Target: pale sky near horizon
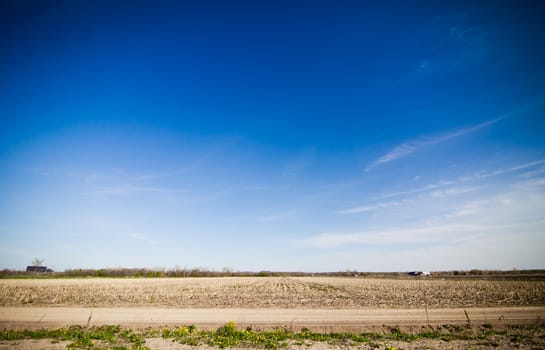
288,136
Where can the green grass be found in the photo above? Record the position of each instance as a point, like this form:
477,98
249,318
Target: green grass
229,335
101,337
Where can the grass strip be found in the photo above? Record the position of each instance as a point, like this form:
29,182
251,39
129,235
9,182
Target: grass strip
229,335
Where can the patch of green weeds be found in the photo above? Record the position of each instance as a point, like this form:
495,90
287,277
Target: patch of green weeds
396,334
229,335
108,336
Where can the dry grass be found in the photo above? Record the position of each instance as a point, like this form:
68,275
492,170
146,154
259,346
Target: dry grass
272,292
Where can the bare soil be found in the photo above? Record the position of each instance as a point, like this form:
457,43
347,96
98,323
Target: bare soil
323,303
272,292
319,320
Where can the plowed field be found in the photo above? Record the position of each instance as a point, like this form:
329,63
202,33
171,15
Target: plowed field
272,292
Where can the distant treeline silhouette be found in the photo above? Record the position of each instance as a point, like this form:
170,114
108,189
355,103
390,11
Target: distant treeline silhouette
175,272
227,272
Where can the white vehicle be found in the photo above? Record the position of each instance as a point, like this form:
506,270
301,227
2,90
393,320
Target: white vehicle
419,273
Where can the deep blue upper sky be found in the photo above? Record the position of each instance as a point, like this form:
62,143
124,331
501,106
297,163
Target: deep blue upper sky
272,135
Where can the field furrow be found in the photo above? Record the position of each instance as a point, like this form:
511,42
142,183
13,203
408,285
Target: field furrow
272,292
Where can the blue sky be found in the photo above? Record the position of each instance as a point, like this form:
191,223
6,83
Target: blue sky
261,135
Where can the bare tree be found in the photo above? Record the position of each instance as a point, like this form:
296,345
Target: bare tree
37,262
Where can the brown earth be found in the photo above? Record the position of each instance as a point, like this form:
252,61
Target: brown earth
320,304
322,320
272,292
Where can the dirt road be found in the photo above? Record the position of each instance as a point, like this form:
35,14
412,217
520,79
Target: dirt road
315,319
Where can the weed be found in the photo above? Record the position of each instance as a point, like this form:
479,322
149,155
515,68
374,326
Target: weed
229,335
81,338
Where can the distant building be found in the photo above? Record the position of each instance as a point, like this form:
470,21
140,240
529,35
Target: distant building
38,269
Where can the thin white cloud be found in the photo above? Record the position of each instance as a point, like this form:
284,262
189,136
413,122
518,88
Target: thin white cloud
127,189
534,172
439,184
433,194
444,234
277,216
417,235
124,184
104,226
463,212
449,188
162,175
142,237
468,178
486,174
453,191
517,211
531,184
467,209
368,208
487,252
415,145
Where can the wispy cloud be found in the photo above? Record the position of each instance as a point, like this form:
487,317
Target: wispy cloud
368,208
430,194
128,189
106,226
439,185
416,235
433,186
515,210
497,172
412,146
444,233
533,173
118,183
463,212
277,216
453,191
532,183
142,237
162,175
456,187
